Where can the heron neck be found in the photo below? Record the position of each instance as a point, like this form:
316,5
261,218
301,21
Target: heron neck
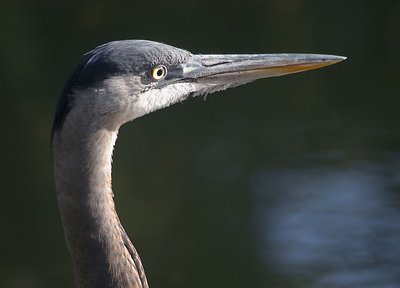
102,254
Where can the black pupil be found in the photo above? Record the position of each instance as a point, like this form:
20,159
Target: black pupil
160,72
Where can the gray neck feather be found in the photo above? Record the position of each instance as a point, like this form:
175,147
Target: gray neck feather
102,253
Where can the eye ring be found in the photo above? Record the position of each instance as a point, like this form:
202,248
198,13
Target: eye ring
159,72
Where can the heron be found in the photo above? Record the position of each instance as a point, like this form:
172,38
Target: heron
116,83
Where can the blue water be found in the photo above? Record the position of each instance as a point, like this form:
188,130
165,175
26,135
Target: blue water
329,226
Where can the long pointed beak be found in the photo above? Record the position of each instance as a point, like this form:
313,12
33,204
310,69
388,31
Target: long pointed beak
240,69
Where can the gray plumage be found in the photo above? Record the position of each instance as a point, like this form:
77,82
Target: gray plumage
114,84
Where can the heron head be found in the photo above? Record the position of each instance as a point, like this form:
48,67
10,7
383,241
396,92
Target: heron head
123,80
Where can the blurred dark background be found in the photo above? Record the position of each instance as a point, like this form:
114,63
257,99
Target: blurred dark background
286,182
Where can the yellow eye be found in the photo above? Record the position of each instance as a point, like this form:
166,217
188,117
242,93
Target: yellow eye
159,72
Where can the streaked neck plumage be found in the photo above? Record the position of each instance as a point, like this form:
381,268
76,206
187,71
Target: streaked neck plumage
102,253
